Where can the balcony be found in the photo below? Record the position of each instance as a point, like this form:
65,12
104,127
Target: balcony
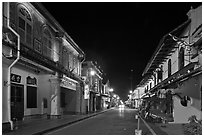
178,77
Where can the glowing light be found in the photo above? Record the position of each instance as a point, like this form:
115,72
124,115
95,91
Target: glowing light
111,90
92,73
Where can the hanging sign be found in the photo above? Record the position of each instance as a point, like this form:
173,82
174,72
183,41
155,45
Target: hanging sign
86,92
15,78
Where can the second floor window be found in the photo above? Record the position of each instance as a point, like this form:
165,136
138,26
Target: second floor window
169,68
47,43
154,78
24,25
159,74
181,58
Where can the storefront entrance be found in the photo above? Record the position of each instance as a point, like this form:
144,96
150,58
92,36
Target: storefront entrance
17,102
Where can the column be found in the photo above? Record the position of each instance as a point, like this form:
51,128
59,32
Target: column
54,109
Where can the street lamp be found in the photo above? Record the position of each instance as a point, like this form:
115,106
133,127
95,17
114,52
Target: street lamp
131,78
130,91
92,72
111,90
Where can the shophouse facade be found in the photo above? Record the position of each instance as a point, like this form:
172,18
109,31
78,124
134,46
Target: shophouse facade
92,76
41,65
105,95
136,95
174,73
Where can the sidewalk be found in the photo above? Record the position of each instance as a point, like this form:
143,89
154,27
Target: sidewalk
164,129
172,128
167,129
43,125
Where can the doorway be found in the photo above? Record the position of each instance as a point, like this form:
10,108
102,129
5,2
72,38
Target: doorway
17,102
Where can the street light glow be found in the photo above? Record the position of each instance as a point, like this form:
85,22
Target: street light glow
130,91
111,89
92,72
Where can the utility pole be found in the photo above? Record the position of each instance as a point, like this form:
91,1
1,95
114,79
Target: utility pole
131,78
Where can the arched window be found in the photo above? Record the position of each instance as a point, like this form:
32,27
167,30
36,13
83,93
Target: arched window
169,68
181,58
159,74
24,25
47,43
154,78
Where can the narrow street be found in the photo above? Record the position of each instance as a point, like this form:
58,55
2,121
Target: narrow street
117,121
102,68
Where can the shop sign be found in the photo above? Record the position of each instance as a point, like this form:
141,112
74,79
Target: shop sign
15,78
67,83
86,92
31,81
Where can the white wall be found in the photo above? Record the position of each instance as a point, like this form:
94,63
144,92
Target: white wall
181,113
24,74
4,93
43,89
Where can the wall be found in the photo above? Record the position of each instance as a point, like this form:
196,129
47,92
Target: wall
43,89
181,113
4,92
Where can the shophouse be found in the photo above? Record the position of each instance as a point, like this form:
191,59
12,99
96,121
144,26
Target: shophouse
92,76
173,76
136,95
105,95
41,65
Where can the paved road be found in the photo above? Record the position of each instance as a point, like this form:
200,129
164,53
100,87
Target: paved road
114,122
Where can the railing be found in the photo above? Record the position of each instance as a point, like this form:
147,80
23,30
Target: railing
179,75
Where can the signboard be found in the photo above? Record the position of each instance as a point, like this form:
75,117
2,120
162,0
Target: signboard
31,81
68,83
86,92
15,78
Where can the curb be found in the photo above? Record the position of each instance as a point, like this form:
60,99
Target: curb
150,129
69,123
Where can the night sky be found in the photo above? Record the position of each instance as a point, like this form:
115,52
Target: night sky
120,36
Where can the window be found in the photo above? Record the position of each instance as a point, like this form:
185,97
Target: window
37,46
169,68
24,25
159,76
31,97
181,58
154,78
47,43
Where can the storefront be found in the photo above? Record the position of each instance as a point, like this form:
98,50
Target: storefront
69,96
